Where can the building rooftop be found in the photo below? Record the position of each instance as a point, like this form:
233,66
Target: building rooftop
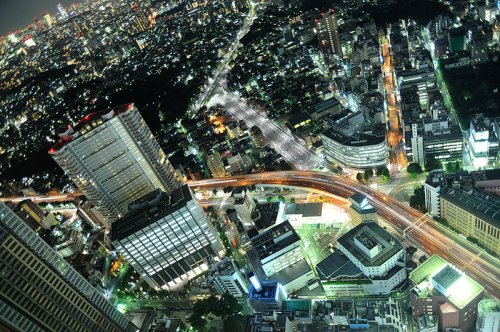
274,239
446,277
477,202
149,209
489,305
306,210
268,292
292,272
436,178
388,244
88,122
324,105
460,288
336,265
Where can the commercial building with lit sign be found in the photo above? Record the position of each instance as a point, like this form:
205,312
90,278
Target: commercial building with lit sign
359,151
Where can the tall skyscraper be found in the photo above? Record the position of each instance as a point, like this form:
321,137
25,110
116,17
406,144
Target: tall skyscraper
113,157
328,33
39,291
166,238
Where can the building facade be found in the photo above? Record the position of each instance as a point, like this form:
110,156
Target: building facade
481,143
488,316
227,278
474,214
113,157
278,248
328,33
358,152
40,291
369,261
166,238
361,210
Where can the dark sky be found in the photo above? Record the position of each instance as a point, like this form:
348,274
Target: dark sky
19,13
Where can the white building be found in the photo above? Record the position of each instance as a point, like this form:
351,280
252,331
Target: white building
359,151
278,248
481,144
227,278
435,182
369,261
166,238
313,214
361,210
245,207
488,316
113,157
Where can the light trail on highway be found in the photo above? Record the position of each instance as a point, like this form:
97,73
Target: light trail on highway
483,268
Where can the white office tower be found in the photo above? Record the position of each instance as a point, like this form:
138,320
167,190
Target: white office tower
245,207
481,144
227,278
488,316
113,157
166,238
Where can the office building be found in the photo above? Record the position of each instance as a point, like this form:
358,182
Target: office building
328,33
166,238
488,316
267,297
435,182
361,210
72,243
40,291
442,290
277,248
258,137
357,152
369,261
227,278
245,207
216,165
473,213
481,143
325,109
34,216
113,157
239,164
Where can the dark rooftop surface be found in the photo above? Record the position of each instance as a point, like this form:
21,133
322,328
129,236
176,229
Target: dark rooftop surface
390,245
148,209
336,265
479,203
324,105
274,239
292,272
306,210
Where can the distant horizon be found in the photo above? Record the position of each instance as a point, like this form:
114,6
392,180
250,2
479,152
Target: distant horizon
18,14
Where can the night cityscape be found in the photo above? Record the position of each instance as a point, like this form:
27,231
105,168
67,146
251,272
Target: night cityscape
250,165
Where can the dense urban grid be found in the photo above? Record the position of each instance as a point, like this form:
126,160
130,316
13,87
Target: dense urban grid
251,165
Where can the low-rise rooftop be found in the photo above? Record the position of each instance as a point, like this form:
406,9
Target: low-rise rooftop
388,244
459,288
